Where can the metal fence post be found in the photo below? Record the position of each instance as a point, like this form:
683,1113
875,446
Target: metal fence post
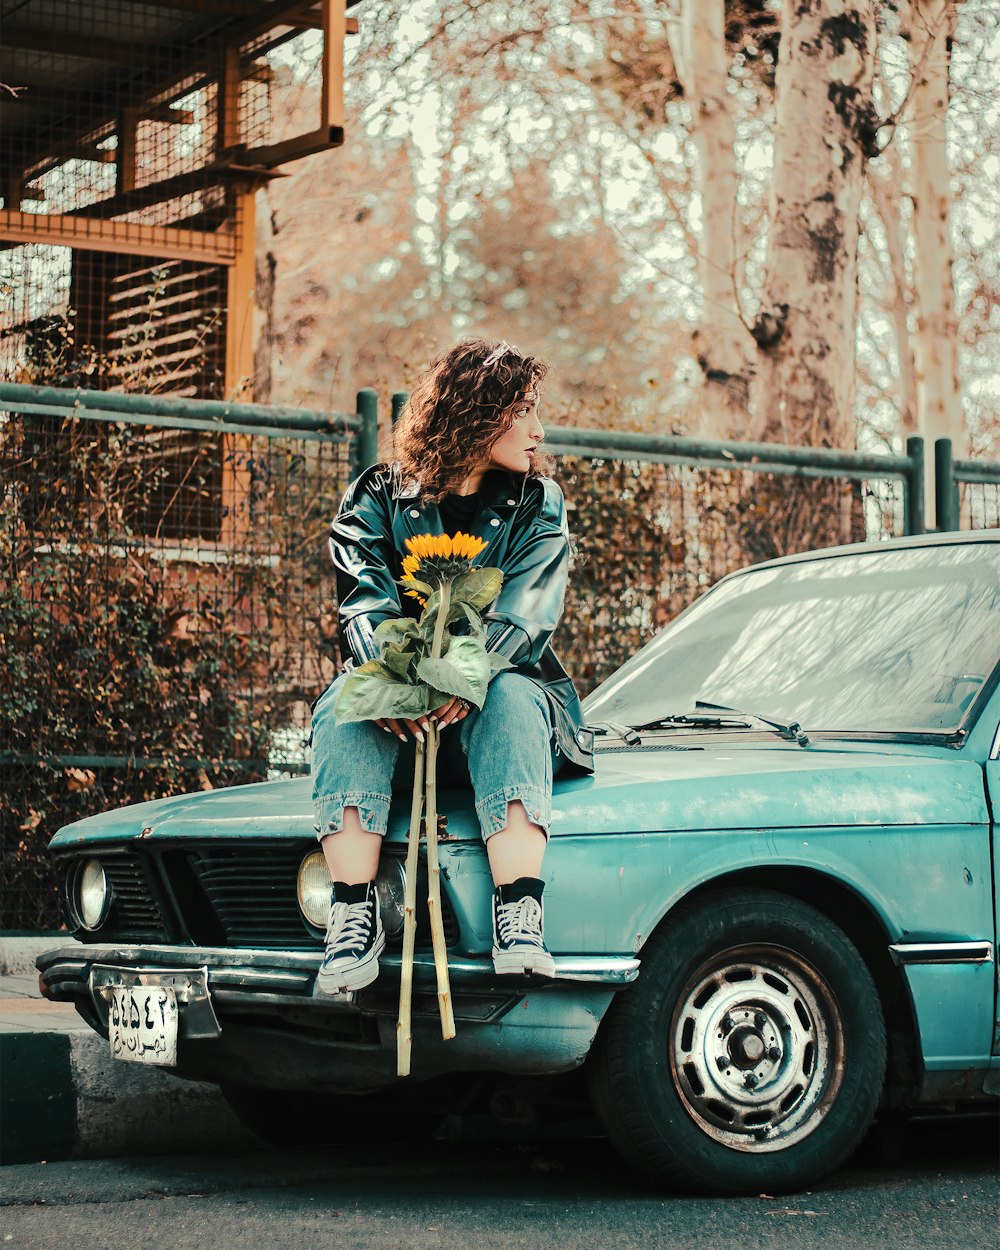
399,399
913,488
364,448
945,487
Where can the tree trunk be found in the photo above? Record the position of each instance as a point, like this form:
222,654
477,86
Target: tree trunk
721,344
824,129
935,344
885,193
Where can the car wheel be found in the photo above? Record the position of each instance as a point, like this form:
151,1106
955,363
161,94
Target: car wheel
749,1056
284,1117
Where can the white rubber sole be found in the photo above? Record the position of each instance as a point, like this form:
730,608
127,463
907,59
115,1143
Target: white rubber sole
517,963
349,974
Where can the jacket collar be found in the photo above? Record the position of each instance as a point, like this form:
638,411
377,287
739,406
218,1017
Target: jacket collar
499,491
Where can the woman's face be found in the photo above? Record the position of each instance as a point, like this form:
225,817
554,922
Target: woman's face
515,448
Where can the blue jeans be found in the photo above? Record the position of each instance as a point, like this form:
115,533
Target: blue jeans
506,751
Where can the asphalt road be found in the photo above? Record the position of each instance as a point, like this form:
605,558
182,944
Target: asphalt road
942,1194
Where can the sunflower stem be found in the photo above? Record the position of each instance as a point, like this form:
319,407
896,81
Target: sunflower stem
404,1031
440,620
433,866
434,890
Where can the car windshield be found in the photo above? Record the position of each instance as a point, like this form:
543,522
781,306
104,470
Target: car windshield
891,640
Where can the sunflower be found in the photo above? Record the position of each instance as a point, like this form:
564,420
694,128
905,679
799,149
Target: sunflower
435,558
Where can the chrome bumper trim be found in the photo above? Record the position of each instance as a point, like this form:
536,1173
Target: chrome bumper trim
904,953
232,972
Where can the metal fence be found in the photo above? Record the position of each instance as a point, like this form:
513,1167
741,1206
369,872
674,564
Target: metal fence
967,491
168,611
165,602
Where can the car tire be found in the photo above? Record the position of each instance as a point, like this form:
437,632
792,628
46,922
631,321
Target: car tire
282,1117
749,1056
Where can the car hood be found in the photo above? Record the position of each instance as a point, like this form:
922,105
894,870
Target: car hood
640,791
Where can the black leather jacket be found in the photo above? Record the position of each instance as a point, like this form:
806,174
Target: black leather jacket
523,520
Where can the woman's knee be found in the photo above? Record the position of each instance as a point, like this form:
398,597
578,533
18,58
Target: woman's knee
513,696
323,711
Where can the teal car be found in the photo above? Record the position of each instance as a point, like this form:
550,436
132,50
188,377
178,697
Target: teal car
772,907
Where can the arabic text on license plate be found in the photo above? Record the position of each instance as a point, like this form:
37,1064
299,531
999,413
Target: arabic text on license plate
142,1024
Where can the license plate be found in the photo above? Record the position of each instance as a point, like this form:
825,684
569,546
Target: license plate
142,1024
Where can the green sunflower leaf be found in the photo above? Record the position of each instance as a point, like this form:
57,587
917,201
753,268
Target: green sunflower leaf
464,672
367,697
398,658
498,663
477,588
427,617
475,621
396,630
413,583
375,669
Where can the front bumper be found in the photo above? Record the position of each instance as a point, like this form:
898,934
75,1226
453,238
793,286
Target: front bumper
255,1008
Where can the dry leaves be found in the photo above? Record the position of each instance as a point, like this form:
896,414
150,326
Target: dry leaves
78,779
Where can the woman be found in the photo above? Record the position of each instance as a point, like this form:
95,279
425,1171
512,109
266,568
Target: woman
466,459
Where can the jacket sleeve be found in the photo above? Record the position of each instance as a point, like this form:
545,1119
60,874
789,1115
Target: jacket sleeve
364,559
527,610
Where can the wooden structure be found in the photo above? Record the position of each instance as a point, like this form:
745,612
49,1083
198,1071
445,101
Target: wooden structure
134,136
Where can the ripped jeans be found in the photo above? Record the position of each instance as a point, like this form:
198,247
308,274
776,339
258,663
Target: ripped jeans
505,751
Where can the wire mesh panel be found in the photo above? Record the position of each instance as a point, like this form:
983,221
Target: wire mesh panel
161,633
134,138
979,505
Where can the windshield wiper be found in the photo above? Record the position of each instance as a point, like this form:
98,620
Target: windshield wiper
793,731
627,733
736,719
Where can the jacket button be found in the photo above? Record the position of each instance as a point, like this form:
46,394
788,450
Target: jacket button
414,512
494,521
512,502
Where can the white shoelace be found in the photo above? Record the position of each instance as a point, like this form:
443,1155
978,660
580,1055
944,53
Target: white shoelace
520,921
348,928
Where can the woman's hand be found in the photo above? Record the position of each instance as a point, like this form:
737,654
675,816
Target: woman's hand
447,714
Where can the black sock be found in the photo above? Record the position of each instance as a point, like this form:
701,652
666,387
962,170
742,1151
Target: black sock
344,893
523,887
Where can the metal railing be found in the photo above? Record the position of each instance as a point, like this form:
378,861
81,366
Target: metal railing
168,604
981,478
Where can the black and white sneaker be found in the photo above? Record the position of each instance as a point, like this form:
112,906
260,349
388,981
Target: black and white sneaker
518,944
354,940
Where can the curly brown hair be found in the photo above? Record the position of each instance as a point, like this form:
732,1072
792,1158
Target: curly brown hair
458,409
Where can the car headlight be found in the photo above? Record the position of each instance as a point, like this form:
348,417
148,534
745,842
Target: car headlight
92,894
313,889
390,883
314,885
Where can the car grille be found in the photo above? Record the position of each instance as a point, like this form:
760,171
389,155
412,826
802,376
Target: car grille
134,914
237,897
253,894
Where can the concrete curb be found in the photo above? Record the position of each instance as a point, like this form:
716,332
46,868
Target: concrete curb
18,954
62,1096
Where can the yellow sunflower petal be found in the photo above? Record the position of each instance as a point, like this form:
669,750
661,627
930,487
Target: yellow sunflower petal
473,546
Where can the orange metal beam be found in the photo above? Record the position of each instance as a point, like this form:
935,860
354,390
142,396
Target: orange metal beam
330,131
127,238
241,300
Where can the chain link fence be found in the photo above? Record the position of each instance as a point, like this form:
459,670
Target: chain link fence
166,613
167,601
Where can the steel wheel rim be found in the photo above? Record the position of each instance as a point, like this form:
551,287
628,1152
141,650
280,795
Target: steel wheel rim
756,1048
